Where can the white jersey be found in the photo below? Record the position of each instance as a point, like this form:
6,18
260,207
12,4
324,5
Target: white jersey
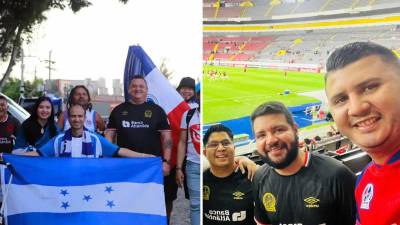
90,121
193,143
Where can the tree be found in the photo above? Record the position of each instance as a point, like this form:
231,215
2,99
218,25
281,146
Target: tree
164,70
12,88
17,19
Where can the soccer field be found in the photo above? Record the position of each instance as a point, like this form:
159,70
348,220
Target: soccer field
237,94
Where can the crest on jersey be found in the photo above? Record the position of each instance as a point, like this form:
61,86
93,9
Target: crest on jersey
367,196
269,202
148,113
206,192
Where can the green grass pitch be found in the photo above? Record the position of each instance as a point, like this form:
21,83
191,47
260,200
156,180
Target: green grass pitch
240,92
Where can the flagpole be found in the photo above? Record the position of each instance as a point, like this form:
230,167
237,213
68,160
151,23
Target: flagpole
2,216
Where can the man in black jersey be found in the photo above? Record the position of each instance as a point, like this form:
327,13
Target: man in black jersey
227,195
295,186
143,127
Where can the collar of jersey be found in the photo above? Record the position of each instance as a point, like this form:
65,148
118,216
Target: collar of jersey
307,158
395,157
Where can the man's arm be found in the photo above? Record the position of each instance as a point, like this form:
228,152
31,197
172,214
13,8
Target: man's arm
60,121
124,152
166,142
31,153
100,125
245,163
179,177
110,134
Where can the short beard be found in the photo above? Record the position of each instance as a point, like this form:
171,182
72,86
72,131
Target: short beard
290,157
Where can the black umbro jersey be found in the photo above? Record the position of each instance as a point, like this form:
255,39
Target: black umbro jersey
227,200
320,193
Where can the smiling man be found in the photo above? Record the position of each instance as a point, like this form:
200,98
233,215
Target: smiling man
362,86
227,195
295,186
143,127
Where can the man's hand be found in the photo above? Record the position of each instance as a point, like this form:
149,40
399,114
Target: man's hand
245,163
165,168
179,177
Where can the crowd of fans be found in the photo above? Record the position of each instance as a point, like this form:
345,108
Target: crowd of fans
136,128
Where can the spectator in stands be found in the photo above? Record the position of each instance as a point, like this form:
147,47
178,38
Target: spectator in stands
9,127
38,129
80,95
362,86
294,186
227,194
78,142
308,144
317,138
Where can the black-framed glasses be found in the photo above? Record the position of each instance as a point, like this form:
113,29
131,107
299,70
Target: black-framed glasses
215,144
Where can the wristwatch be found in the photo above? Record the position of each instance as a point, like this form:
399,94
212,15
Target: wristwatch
166,161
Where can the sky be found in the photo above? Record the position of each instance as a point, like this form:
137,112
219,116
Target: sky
93,42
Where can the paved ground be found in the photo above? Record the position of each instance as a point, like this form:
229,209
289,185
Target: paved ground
180,213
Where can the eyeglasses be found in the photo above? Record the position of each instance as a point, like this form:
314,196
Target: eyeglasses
214,145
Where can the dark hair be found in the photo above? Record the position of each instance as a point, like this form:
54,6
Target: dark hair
353,52
138,77
69,109
3,98
307,141
187,82
72,93
272,107
317,138
30,125
217,128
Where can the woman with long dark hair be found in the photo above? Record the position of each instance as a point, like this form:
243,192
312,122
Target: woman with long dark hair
39,128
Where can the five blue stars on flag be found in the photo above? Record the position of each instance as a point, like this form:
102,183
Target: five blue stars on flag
87,198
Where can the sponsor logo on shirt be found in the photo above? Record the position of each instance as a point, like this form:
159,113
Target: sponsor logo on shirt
311,202
206,192
367,196
218,215
124,113
4,140
134,124
237,195
224,215
269,202
239,216
147,114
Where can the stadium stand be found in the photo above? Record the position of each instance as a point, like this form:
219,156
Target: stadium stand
273,9
308,47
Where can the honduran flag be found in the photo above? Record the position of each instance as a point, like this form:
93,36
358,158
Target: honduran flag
160,91
82,191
